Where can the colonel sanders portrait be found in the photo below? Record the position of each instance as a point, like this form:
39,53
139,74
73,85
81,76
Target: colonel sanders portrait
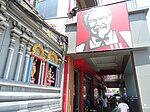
98,24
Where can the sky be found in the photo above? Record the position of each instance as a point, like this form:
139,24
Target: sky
142,3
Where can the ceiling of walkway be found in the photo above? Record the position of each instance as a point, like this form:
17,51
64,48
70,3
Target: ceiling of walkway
106,63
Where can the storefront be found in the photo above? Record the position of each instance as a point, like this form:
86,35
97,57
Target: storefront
105,58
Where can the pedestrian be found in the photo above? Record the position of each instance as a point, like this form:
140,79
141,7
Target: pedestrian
122,106
105,103
113,104
87,104
99,103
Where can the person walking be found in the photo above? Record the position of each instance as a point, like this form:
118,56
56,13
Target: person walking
122,106
105,103
99,104
113,104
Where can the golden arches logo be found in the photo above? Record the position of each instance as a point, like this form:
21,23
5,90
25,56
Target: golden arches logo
54,55
38,46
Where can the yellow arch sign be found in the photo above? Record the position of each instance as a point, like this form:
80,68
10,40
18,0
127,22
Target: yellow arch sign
54,55
38,46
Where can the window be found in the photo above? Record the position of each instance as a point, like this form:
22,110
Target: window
48,8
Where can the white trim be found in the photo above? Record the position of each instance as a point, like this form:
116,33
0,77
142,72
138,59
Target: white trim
24,85
10,96
18,66
8,64
19,105
42,76
26,61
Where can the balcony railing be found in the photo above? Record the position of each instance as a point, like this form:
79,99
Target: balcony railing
131,4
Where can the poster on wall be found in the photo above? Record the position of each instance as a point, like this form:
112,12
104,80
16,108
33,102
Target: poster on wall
103,28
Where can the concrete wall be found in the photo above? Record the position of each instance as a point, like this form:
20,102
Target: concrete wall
139,27
141,53
71,33
142,67
129,77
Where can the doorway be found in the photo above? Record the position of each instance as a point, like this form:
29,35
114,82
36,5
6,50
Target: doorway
76,91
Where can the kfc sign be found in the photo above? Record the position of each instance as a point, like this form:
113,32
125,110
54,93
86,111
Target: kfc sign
103,28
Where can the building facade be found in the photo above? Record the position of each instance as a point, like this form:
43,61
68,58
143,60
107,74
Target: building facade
32,60
134,72
37,76
81,79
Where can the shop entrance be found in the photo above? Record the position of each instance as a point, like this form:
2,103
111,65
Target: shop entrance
107,70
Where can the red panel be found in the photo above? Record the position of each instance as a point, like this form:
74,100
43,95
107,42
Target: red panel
45,73
36,56
65,85
84,66
120,17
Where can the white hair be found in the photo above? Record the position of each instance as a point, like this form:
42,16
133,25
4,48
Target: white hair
103,10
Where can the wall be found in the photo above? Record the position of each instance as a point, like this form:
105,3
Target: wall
142,67
130,80
141,53
139,28
143,4
71,33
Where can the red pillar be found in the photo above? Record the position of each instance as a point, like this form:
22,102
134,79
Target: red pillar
45,70
81,91
65,86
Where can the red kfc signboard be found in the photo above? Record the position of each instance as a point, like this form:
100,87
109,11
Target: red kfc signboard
103,28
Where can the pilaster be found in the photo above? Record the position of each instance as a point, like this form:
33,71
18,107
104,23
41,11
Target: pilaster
23,41
27,55
15,32
3,17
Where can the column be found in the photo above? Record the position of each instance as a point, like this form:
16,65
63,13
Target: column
19,61
15,32
65,87
58,76
141,59
3,19
26,61
44,67
41,73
